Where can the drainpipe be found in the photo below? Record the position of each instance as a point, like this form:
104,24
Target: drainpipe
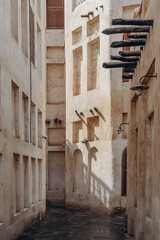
30,73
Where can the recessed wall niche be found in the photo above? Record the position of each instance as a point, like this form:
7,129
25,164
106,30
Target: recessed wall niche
25,122
56,171
93,64
34,188
93,26
77,70
16,183
77,127
56,136
26,181
92,124
55,53
77,35
78,181
125,127
15,109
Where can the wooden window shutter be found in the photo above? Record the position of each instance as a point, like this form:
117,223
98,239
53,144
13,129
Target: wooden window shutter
55,14
32,46
125,37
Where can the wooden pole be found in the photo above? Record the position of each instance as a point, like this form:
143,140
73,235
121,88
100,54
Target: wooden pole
135,22
138,36
123,59
130,76
119,65
127,43
109,31
130,53
128,70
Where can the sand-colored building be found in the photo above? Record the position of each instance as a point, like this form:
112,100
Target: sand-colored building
143,136
22,115
55,116
96,104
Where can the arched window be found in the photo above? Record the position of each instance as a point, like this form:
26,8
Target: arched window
124,172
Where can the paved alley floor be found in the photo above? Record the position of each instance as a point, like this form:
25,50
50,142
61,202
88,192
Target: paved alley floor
66,224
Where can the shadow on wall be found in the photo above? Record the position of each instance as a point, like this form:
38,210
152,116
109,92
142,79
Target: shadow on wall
88,189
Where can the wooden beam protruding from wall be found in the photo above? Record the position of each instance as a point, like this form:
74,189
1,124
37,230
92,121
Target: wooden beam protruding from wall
130,53
130,76
137,36
119,65
128,70
135,22
109,31
123,59
127,43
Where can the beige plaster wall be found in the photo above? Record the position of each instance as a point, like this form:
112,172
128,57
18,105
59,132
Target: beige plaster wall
22,162
55,67
143,142
93,150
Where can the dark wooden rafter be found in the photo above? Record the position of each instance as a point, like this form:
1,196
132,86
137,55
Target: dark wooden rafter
119,65
135,22
130,53
137,36
130,76
128,70
86,15
123,59
127,43
109,31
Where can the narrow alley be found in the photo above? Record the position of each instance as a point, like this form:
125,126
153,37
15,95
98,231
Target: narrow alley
65,224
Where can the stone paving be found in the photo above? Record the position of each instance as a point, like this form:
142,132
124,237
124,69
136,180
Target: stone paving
67,224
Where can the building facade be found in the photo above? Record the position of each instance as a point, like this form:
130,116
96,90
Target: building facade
143,140
22,115
96,104
55,116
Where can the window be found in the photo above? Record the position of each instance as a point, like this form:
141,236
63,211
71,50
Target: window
34,189
75,3
55,14
39,129
125,127
17,181
39,57
26,181
25,122
77,70
124,172
40,179
33,106
15,108
14,19
93,64
32,39
24,27
92,128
